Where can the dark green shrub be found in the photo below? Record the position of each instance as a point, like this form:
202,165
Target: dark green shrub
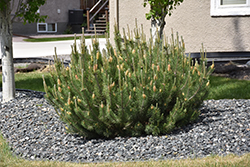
135,89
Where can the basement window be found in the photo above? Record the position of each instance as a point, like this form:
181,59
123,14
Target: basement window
230,7
46,27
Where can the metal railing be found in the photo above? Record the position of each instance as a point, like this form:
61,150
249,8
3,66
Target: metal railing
90,11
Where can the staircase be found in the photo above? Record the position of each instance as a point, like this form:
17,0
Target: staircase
99,24
97,17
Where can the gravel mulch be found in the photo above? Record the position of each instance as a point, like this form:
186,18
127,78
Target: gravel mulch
33,130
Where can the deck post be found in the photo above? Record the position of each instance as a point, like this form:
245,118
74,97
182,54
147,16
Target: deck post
87,18
106,14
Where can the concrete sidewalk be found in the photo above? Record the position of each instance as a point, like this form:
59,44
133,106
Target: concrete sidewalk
22,49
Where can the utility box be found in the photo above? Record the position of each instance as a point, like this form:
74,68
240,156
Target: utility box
76,16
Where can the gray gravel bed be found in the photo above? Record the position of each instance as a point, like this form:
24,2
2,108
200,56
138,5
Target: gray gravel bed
33,130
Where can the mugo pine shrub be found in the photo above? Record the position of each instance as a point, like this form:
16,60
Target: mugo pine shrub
134,89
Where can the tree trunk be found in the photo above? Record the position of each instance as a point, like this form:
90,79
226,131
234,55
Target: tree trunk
8,81
157,27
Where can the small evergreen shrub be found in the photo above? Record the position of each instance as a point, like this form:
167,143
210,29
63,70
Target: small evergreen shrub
134,89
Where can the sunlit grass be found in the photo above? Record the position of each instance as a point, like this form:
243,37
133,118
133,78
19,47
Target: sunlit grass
226,88
31,80
220,88
58,38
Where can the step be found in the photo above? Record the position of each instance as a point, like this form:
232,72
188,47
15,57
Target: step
97,31
102,18
100,21
100,24
98,28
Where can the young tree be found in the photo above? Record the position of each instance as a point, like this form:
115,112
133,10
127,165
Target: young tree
159,9
27,11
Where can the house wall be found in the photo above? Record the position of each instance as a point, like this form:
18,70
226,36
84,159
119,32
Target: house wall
192,20
51,10
126,14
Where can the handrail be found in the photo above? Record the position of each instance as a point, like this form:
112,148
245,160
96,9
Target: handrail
95,6
89,11
105,3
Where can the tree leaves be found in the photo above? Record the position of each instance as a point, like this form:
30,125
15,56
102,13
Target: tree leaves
3,4
160,8
28,11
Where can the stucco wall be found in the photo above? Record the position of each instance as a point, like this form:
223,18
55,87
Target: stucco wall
51,6
192,20
128,11
21,29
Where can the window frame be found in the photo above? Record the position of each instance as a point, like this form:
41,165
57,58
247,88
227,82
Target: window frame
46,28
216,9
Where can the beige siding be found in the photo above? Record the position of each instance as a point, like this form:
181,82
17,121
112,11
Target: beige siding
192,20
128,12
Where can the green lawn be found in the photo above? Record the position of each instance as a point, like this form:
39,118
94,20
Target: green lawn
226,88
32,80
58,39
221,88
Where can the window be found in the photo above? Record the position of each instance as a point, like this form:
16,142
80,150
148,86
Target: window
41,27
232,2
51,27
230,7
46,27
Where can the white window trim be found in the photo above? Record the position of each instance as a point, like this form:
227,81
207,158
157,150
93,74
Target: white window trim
46,25
42,24
216,9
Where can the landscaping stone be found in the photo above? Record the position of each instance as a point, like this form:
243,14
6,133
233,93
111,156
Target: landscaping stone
33,130
31,67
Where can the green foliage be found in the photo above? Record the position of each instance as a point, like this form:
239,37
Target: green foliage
107,29
68,30
161,8
136,88
28,11
3,4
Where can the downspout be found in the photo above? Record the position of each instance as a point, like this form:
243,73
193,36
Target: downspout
117,13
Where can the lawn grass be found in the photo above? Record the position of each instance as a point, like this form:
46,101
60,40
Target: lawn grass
58,38
221,88
31,80
226,88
